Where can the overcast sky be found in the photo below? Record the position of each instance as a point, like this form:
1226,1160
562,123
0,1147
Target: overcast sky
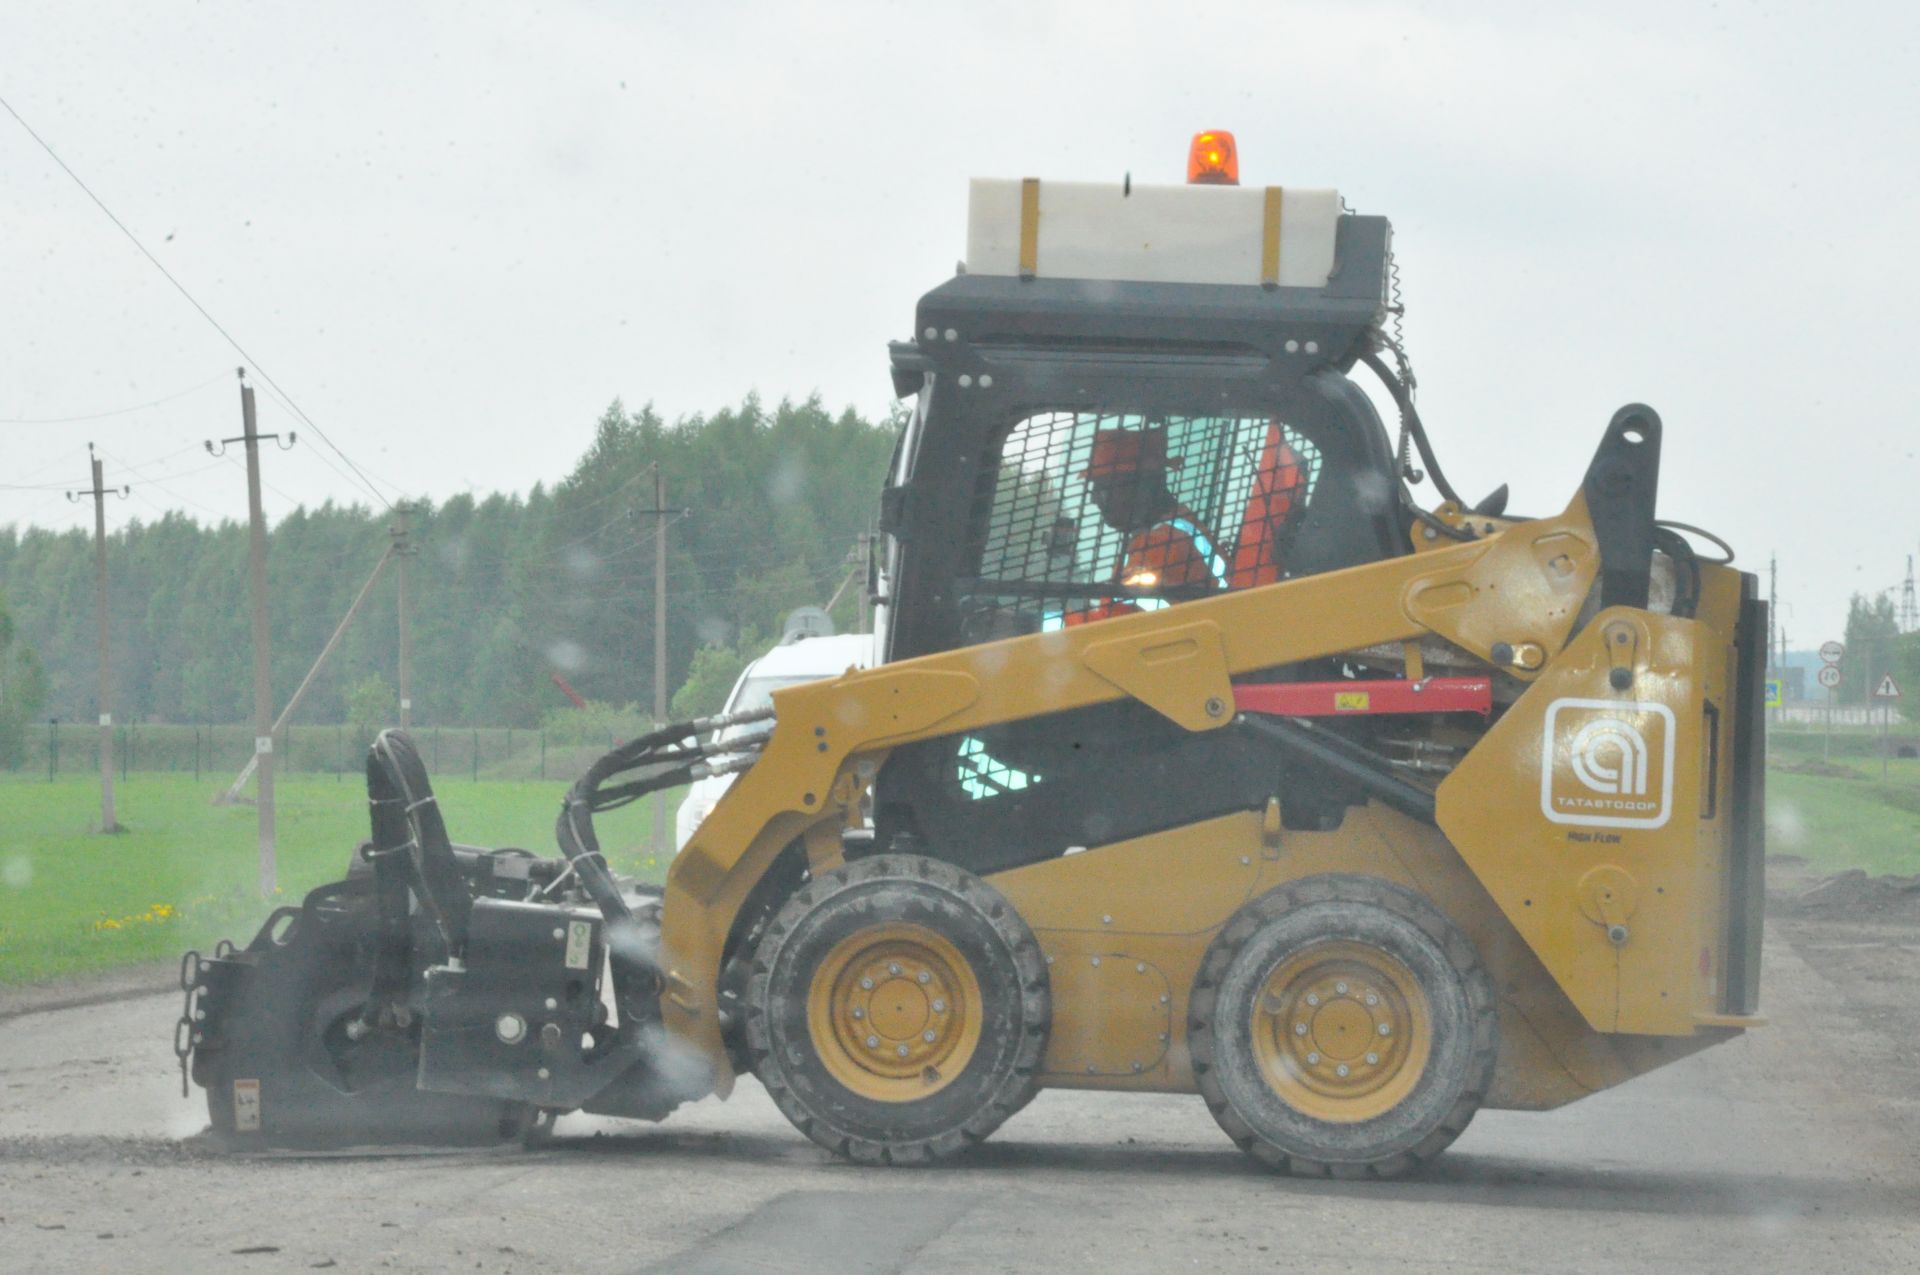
455,232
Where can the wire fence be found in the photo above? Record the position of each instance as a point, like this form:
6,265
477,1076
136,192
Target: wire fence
219,751
1801,715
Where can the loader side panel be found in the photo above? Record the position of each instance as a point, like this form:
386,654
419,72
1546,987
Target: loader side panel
1126,926
1586,812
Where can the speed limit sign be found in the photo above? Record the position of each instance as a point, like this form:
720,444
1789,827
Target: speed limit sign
1829,676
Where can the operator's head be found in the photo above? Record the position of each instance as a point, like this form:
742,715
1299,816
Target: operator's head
1127,476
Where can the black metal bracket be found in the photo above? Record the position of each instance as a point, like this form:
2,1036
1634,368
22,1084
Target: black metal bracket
1621,486
896,512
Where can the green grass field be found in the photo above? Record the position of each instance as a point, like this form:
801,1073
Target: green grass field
1838,823
184,876
186,872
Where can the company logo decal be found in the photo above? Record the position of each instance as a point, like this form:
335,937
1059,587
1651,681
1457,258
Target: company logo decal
1610,756
1607,763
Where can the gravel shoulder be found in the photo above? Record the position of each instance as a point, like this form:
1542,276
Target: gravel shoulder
79,990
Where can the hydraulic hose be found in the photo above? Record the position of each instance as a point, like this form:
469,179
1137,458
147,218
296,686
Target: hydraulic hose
1410,422
668,757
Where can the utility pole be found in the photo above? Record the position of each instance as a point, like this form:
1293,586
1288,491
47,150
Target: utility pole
108,821
1909,604
852,563
660,514
262,664
866,577
1776,649
660,843
403,550
300,692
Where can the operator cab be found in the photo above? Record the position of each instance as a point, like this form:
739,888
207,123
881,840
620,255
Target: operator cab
1187,344
1218,321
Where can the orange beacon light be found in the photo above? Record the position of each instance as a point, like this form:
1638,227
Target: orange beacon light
1213,160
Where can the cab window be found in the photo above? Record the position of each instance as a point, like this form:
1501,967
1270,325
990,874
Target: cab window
1077,496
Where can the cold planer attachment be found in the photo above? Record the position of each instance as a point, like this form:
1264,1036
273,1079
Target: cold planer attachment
383,1006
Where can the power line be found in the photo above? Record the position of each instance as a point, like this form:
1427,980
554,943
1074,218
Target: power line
147,464
161,484
61,459
33,511
98,416
627,482
279,399
234,461
140,471
204,313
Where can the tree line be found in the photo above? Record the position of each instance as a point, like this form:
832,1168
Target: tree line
505,590
1876,648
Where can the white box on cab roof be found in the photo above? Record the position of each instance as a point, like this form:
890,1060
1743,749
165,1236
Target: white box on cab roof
1156,234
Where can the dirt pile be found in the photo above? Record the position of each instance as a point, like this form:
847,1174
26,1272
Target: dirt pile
1824,769
1855,895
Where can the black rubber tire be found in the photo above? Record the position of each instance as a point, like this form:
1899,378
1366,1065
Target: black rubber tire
1461,1004
1000,951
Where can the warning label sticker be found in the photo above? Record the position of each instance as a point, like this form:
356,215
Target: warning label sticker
246,1106
579,944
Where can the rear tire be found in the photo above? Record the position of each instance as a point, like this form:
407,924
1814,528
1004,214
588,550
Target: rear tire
897,1010
1342,1027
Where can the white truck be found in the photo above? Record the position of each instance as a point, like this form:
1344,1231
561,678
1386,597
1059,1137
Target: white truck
798,658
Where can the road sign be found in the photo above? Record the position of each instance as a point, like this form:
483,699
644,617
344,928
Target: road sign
1888,688
1776,692
1832,651
1829,676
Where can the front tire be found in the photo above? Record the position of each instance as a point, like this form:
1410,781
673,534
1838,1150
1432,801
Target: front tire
1342,1027
897,1010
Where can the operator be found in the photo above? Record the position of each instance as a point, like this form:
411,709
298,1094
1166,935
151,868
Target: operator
1166,545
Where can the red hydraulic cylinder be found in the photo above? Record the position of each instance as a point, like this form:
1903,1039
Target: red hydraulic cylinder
1362,698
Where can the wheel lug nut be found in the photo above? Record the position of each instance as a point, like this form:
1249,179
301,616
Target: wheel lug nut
1299,1029
1341,1070
858,1012
925,977
873,1042
1372,999
1386,1029
894,969
1373,1060
866,984
939,1006
926,1036
1313,1060
1340,988
1312,999
900,1050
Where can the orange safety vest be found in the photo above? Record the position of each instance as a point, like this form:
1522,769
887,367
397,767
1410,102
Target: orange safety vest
1174,551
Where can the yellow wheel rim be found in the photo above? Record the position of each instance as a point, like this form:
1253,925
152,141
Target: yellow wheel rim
1342,1031
894,1012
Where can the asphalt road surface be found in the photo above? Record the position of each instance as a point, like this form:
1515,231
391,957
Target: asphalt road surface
1795,1148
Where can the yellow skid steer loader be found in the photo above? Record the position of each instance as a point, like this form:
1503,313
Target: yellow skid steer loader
1204,759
